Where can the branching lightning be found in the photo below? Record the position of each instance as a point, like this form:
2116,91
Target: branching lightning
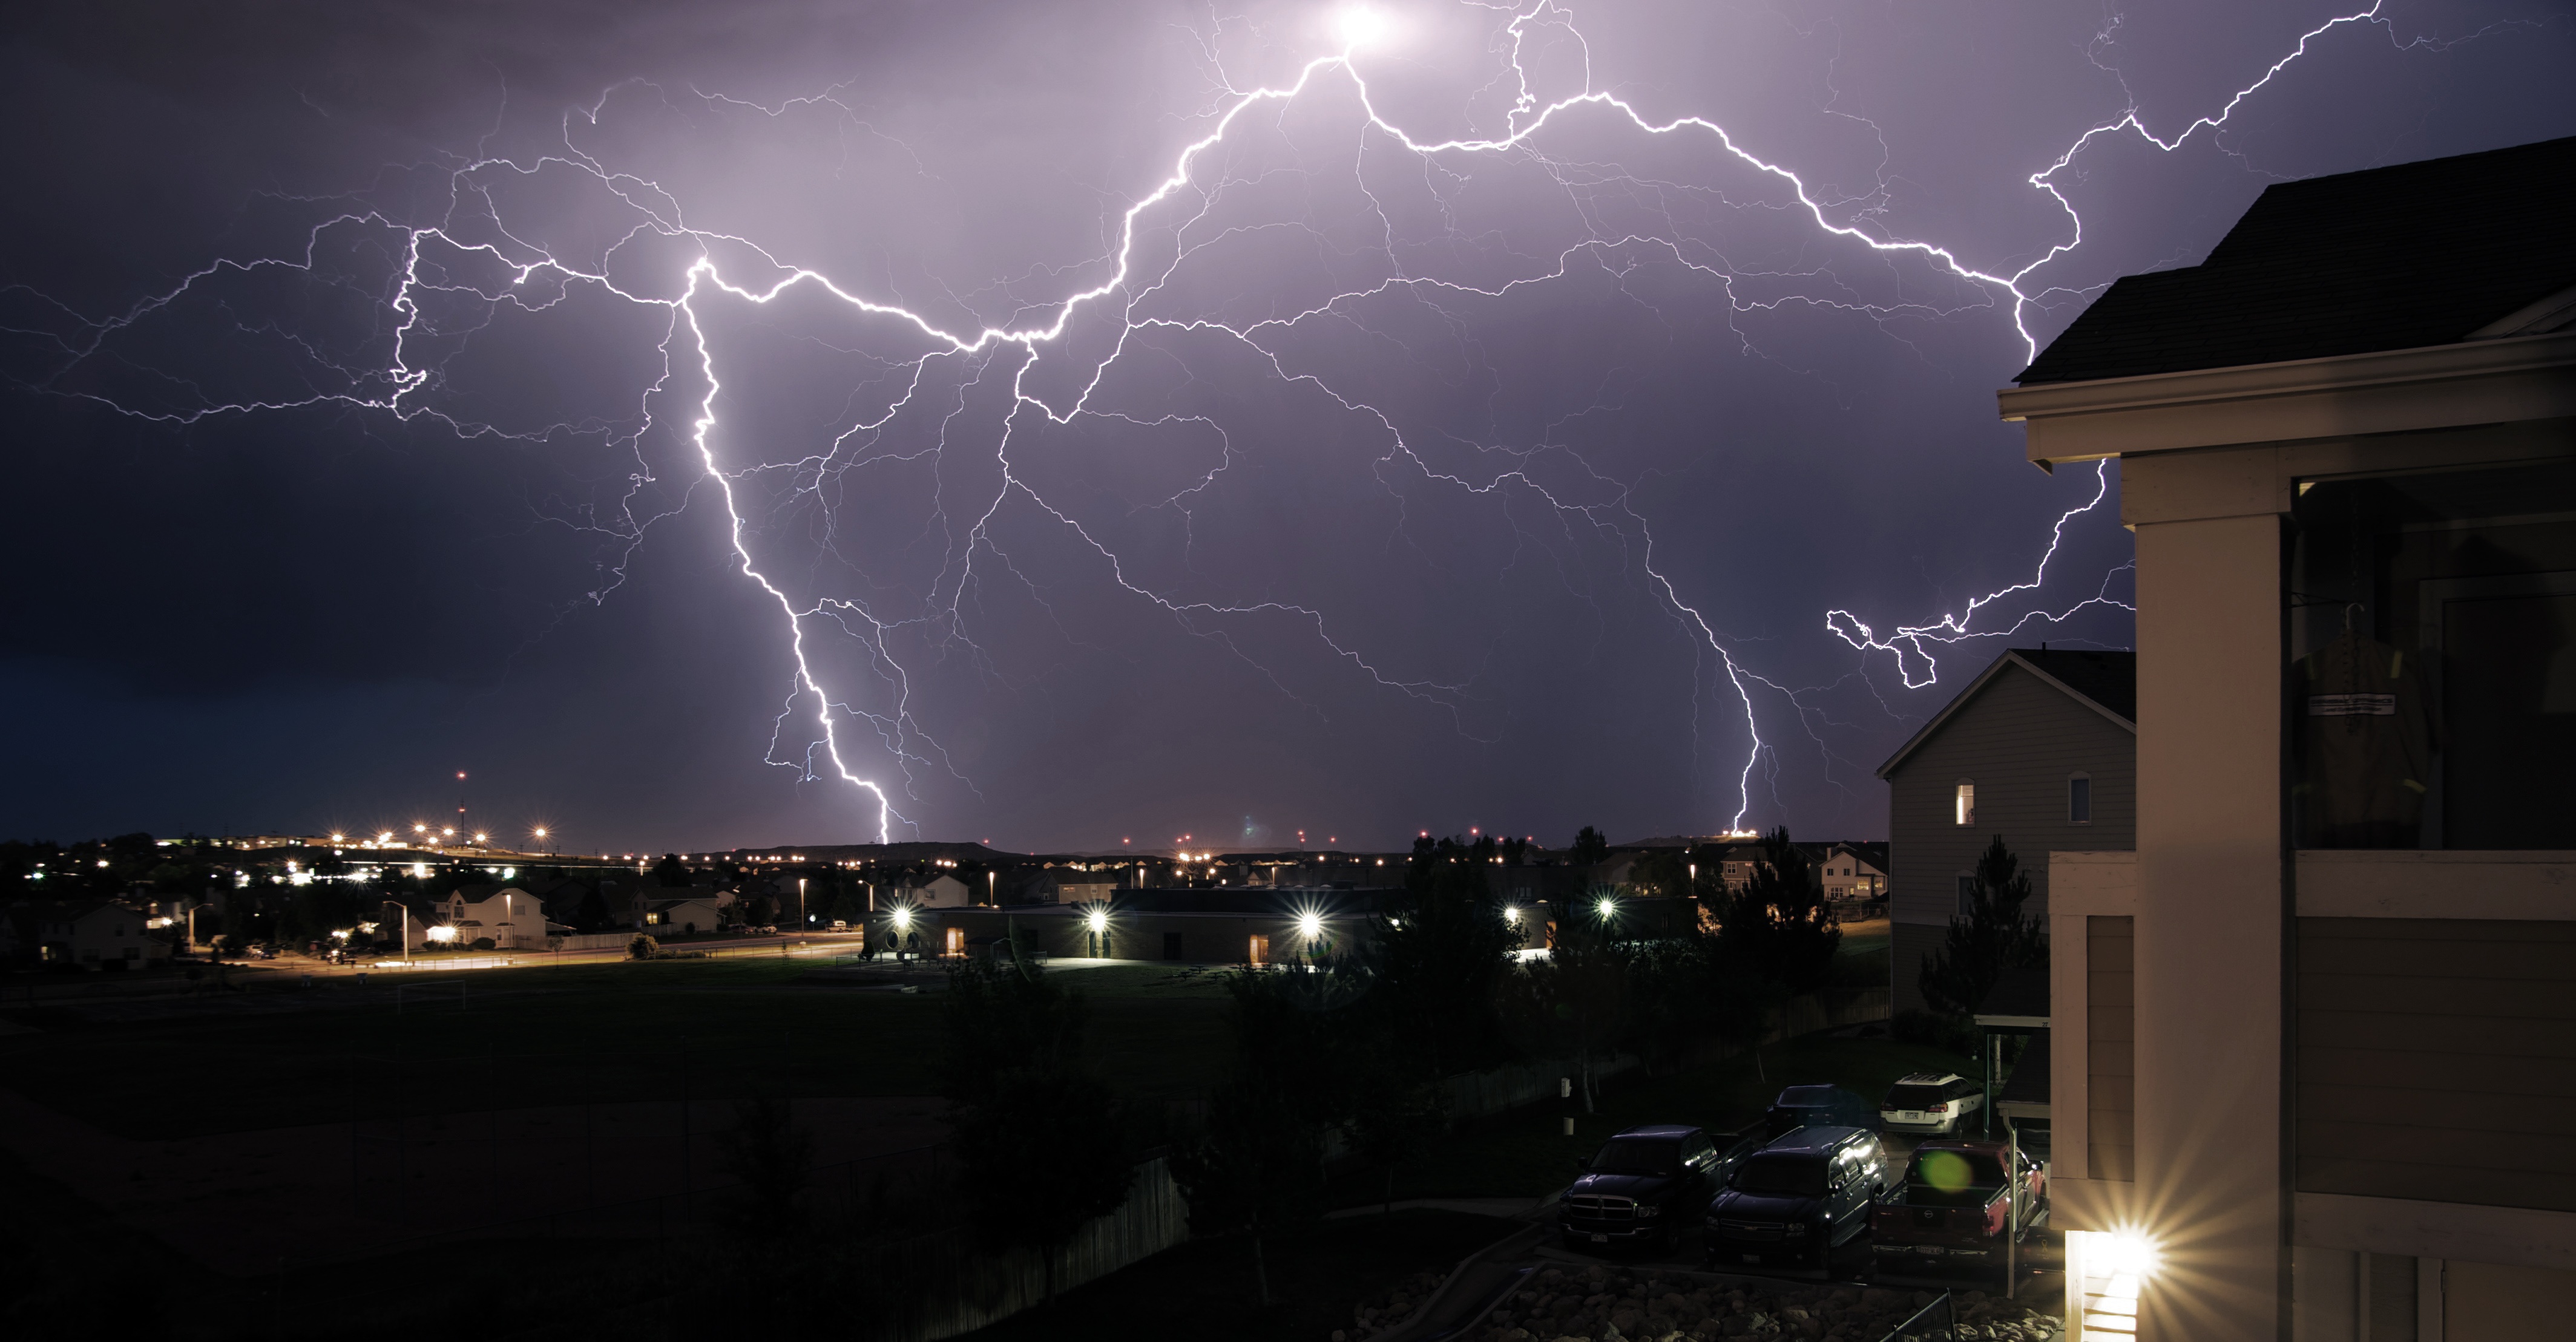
472,260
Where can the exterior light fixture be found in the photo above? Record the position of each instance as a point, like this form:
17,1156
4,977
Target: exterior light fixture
1310,925
1097,919
1607,908
1512,914
903,920
2131,1252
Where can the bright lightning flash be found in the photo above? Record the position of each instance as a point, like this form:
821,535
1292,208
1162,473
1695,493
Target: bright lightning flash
442,265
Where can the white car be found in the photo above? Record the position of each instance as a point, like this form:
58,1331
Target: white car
1934,1102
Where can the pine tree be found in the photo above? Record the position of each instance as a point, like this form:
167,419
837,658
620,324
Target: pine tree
1991,937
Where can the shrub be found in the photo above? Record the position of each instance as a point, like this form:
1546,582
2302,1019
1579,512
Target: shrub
642,948
1923,1027
484,944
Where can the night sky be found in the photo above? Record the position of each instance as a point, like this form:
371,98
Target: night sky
352,357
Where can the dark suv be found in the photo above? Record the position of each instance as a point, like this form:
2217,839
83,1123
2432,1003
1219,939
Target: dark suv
1796,1200
1646,1183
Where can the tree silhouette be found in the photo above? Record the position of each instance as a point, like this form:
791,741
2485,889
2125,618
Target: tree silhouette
1991,937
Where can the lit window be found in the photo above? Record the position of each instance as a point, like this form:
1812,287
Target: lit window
2079,799
1965,807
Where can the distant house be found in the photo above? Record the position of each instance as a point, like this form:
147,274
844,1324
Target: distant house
2042,749
92,934
695,913
1063,885
1854,872
511,917
920,892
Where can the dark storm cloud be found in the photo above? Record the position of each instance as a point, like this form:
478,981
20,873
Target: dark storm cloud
1386,567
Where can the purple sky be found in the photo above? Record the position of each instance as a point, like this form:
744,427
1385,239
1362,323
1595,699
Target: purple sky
354,359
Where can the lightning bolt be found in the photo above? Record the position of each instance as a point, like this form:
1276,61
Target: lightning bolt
452,273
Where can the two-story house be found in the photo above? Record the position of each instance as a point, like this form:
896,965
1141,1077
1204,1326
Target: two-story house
2041,748
2311,1076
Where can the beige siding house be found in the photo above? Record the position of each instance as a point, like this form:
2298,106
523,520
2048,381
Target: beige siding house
2039,748
2324,1091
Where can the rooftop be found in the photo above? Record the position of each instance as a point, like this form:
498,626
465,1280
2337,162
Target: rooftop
2429,253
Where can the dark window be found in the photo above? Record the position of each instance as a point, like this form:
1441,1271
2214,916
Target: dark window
1915,1097
1967,895
1171,945
2432,671
2079,799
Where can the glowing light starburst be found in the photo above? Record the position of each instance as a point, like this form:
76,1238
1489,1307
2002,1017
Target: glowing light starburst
471,260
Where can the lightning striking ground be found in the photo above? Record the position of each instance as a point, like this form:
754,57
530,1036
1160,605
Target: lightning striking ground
471,259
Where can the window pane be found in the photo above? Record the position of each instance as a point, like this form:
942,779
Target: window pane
1967,804
2433,660
1967,894
2079,800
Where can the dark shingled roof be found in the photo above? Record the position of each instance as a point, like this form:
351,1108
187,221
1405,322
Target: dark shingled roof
2391,258
2107,678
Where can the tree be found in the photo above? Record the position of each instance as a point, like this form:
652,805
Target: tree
642,948
1437,965
670,871
1040,1146
1779,926
1397,1113
591,914
1664,873
1575,1002
1990,938
1589,848
1258,1167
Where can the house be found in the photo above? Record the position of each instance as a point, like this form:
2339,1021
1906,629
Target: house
920,892
692,913
2314,1081
2041,748
94,934
1065,885
1854,873
510,917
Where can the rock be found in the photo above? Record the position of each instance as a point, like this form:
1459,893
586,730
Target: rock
1624,1319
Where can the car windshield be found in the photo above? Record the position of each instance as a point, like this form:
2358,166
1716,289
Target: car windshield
1633,1155
1914,1097
1953,1178
1780,1176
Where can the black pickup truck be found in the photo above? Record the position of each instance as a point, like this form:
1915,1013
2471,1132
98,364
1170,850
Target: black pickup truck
1956,1207
1647,1184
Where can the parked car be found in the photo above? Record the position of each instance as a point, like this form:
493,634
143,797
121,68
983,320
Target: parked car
1956,1206
1820,1106
840,925
1647,1184
1795,1201
1934,1102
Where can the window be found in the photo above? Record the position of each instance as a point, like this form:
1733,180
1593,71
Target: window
1966,805
1967,894
2432,659
2079,799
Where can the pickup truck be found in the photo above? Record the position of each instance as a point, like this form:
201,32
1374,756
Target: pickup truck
1956,1206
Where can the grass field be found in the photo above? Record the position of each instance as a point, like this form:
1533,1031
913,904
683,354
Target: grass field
600,1033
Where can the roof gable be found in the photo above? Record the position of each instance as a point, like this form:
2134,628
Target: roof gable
2105,682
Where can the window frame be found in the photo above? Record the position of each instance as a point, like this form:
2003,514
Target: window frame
2086,780
1963,803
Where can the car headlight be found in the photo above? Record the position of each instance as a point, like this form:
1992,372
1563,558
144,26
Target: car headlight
1797,1229
1649,1210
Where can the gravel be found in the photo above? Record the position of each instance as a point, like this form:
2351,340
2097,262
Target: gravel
1606,1304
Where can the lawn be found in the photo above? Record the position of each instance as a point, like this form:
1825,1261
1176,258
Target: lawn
1527,1154
591,1033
